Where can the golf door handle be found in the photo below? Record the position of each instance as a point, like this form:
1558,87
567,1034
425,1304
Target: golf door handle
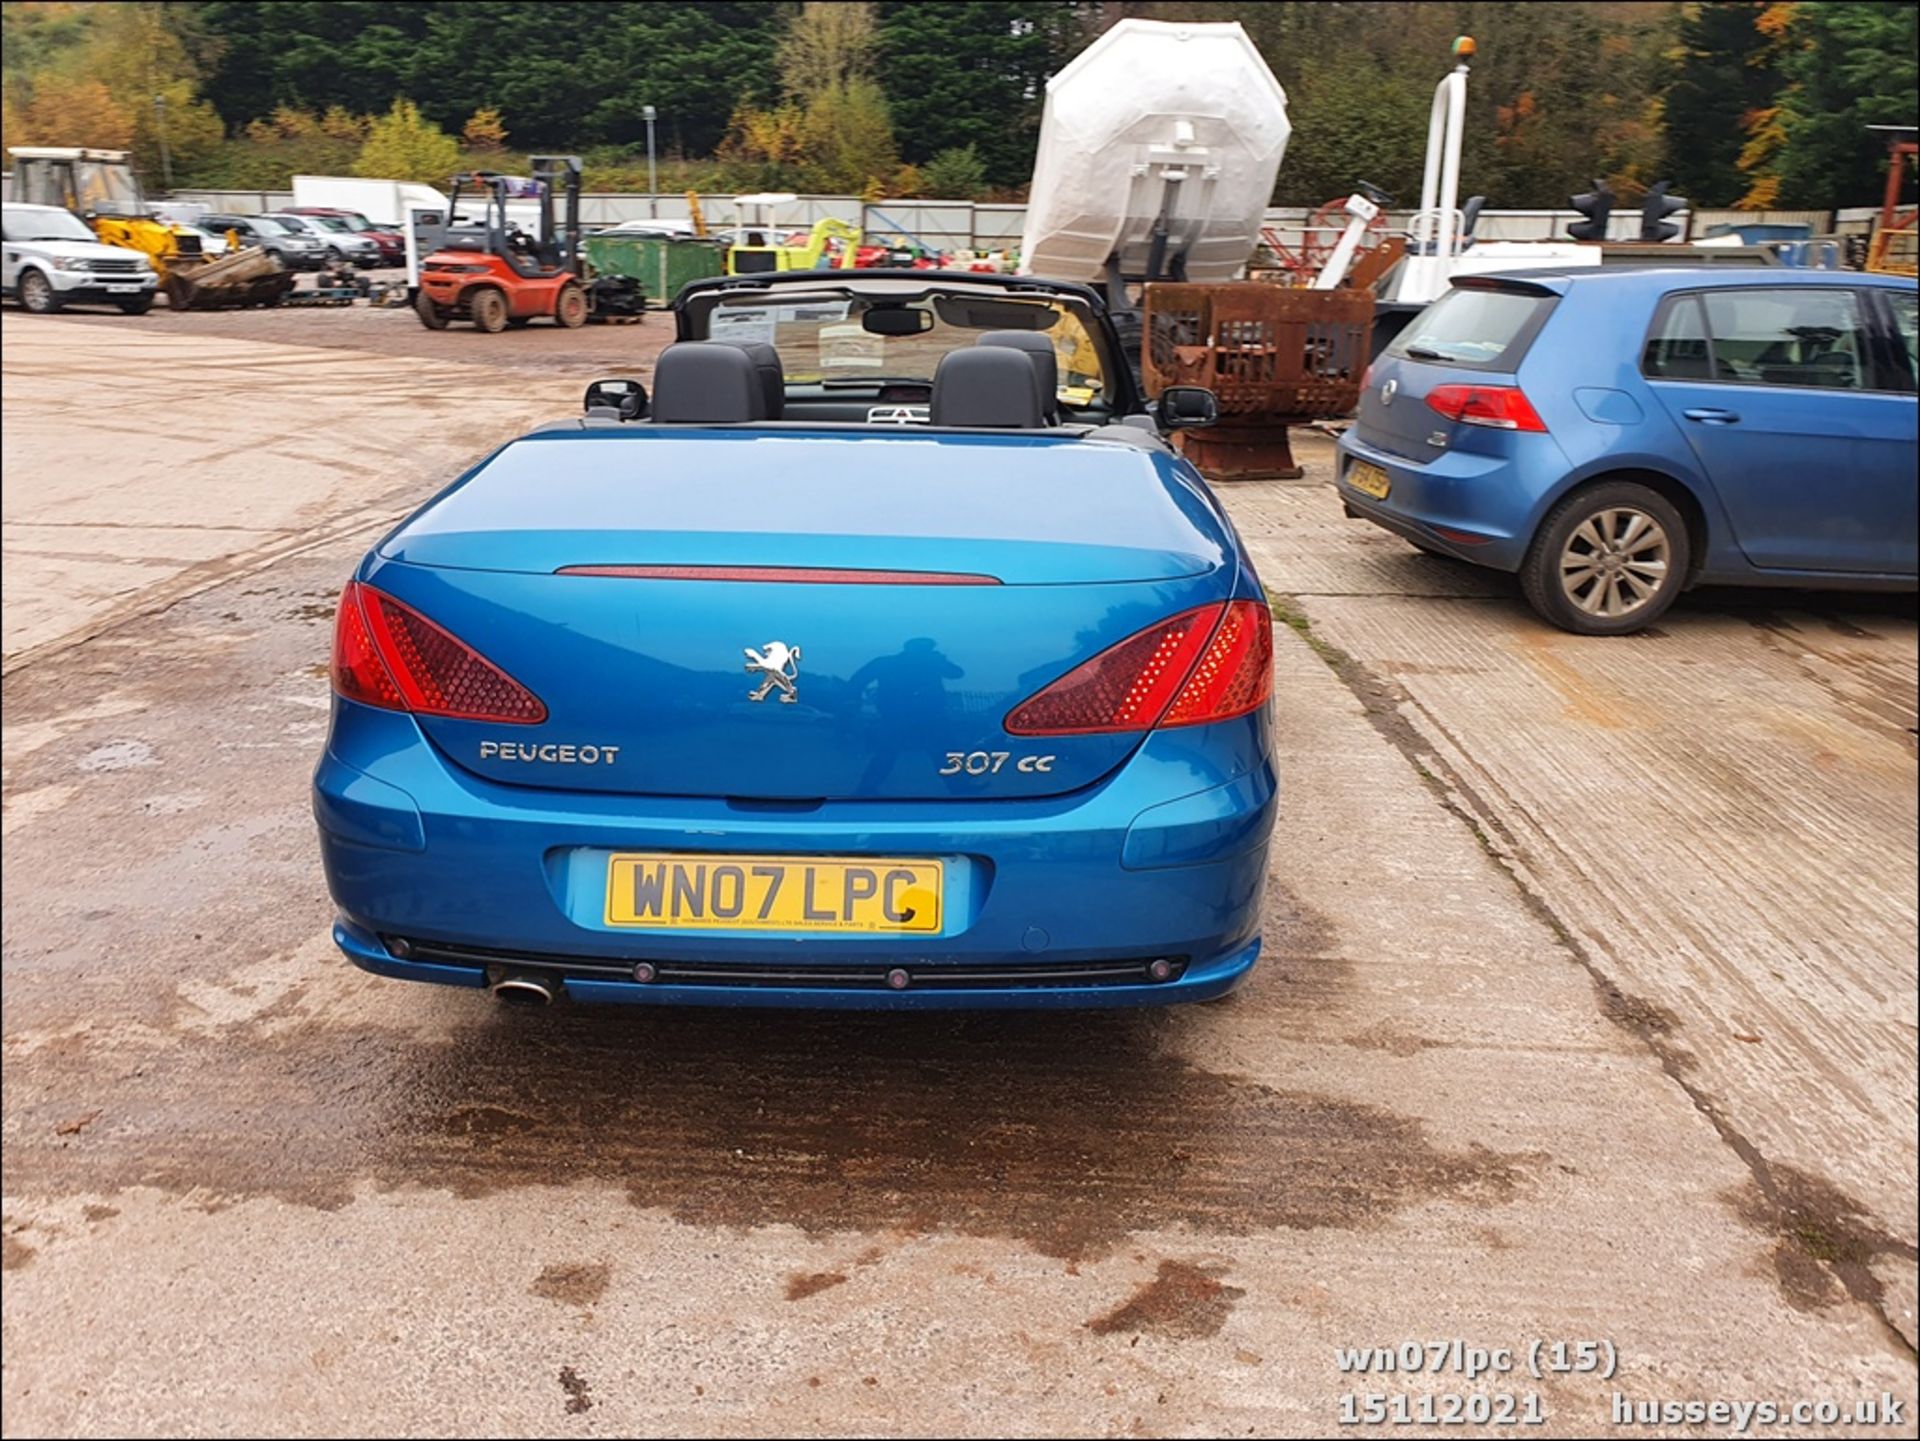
1709,415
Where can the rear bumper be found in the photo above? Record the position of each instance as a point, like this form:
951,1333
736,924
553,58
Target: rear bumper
1164,859
593,981
1481,508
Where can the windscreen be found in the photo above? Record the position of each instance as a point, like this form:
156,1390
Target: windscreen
107,188
827,339
1478,327
27,225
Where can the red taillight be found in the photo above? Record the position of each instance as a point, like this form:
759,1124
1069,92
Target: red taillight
388,655
1503,407
1189,669
1234,675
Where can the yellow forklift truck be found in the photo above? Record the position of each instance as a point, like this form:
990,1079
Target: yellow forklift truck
101,188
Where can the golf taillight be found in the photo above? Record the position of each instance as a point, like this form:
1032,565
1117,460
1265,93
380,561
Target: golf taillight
389,655
1502,407
1211,663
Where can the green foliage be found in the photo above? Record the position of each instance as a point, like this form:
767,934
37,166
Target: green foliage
571,75
404,145
975,75
846,139
1734,100
35,37
1723,76
1364,124
1847,66
956,173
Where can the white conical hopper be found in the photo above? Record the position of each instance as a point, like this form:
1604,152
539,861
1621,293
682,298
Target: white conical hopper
1149,100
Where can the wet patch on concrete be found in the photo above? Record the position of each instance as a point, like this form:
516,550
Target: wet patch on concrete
1184,1301
1385,1036
1299,955
577,1283
1644,1018
1868,685
802,1284
1827,1242
1068,1133
579,1392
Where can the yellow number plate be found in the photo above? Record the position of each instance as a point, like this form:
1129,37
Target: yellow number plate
1369,479
766,893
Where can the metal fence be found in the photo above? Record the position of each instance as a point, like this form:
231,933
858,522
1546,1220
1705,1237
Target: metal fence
969,225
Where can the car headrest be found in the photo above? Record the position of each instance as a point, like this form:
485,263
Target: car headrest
1046,365
706,382
985,385
773,375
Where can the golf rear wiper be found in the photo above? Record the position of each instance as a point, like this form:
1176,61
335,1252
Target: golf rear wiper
1420,352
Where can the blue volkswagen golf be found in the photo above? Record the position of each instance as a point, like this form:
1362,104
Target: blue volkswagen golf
884,656
1617,436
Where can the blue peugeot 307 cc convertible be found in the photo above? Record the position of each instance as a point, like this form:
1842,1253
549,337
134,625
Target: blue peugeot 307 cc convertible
884,656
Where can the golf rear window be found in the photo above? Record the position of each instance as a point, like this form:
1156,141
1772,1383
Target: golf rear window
1482,328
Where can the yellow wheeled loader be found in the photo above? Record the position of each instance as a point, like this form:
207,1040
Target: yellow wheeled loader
100,187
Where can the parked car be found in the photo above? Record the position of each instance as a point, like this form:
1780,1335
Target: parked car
293,250
393,245
52,260
1616,437
978,715
341,243
213,241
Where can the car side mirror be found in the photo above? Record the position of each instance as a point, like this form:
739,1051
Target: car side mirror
616,399
1184,406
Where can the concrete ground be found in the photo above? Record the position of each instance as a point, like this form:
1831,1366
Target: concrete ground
1587,1016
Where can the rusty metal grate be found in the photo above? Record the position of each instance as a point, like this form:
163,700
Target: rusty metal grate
1264,350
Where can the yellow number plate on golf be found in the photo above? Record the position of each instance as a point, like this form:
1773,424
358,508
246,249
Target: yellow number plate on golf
1369,479
766,893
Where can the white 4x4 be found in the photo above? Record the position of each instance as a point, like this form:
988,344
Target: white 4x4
52,260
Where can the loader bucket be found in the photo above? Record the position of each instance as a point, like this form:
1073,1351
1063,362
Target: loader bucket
246,277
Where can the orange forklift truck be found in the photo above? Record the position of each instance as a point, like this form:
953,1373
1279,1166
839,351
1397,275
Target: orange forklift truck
494,274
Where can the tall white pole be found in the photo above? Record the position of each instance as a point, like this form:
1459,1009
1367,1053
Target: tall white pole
653,176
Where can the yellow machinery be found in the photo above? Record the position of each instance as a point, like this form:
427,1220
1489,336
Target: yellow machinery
758,250
100,187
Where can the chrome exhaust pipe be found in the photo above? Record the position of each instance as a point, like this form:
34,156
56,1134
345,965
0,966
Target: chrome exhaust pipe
521,988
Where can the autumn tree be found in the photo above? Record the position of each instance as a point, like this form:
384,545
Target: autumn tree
846,138
65,111
122,76
484,130
826,46
762,149
404,145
